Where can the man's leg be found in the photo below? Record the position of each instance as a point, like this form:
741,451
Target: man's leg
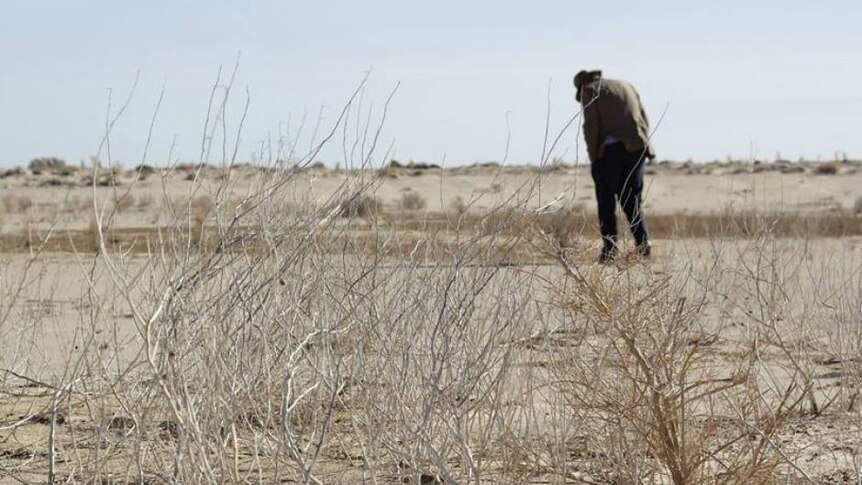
603,177
631,199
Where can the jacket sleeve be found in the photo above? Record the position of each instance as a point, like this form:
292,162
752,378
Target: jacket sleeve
592,123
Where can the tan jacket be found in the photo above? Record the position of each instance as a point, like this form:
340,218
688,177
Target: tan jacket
614,108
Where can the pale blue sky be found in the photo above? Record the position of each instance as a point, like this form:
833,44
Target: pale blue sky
737,77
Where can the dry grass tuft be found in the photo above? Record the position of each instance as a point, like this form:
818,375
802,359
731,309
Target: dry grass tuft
361,205
144,201
14,203
91,240
412,201
458,207
124,203
201,207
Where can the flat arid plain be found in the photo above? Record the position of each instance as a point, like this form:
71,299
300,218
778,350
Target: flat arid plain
412,324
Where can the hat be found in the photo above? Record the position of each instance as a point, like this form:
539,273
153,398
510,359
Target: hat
583,78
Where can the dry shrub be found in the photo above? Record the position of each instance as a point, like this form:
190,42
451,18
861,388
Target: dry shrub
144,201
10,203
361,205
643,381
739,170
411,201
760,167
172,205
792,168
458,206
831,168
124,203
12,172
81,204
73,204
14,203
46,164
390,171
91,240
201,207
563,226
188,216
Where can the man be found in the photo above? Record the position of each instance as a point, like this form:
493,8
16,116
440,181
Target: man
617,133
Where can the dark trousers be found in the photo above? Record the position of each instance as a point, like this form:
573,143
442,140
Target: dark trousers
619,175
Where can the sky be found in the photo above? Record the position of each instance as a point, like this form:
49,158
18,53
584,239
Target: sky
473,81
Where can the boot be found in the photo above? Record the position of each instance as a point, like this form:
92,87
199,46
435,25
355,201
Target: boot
644,249
608,253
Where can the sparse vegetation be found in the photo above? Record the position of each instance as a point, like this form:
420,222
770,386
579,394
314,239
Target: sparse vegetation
411,201
46,164
361,205
266,333
144,201
124,202
830,168
655,402
201,207
15,203
458,207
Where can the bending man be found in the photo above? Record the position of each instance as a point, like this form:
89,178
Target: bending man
616,130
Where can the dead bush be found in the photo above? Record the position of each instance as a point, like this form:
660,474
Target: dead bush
80,204
201,207
411,201
792,168
15,203
831,168
564,225
124,203
361,206
644,383
46,164
458,206
144,201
